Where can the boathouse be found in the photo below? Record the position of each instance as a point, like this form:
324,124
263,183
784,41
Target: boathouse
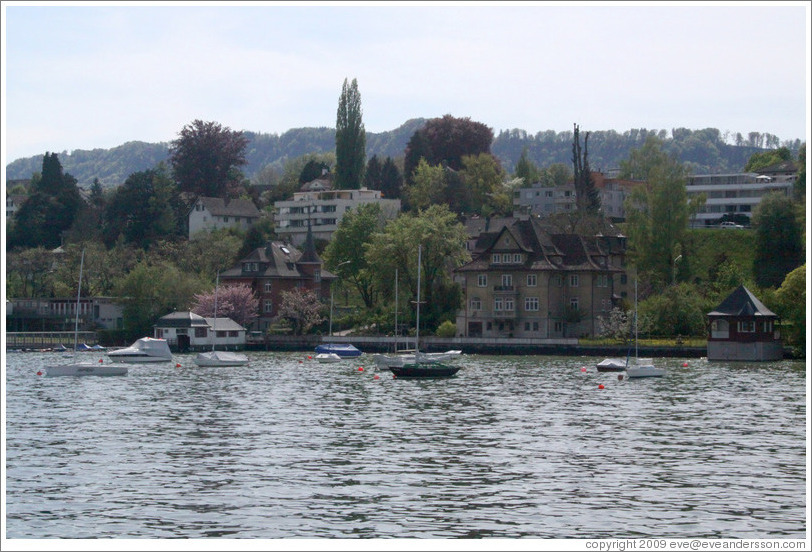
742,328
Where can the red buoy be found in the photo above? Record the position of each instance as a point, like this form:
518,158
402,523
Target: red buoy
376,376
600,386
583,368
39,373
177,365
360,368
684,364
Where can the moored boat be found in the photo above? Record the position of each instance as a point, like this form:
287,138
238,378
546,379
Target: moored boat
424,370
144,350
611,365
344,350
327,358
220,358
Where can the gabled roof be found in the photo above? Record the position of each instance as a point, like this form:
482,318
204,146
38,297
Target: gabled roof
224,324
181,319
230,207
279,260
742,303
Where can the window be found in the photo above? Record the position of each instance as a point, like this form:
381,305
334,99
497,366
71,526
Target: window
317,275
476,303
531,303
498,304
201,332
497,258
602,280
507,280
267,307
747,326
573,280
768,326
574,303
509,304
159,333
482,280
267,287
517,258
531,280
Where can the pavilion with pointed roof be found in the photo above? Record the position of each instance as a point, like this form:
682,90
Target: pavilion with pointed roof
742,328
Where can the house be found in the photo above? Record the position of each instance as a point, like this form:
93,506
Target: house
742,328
188,331
528,279
211,213
276,268
58,314
321,209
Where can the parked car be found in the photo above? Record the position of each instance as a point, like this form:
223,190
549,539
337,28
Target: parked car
728,224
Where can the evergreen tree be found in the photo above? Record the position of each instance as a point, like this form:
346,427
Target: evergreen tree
587,198
391,180
372,176
416,149
527,170
350,139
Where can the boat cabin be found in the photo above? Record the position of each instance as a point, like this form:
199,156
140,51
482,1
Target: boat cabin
742,328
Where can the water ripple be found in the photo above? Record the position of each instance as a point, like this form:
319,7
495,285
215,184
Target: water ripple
513,447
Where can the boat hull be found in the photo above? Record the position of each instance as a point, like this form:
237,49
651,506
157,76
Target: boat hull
143,351
342,350
221,358
327,358
611,365
645,368
424,370
85,369
386,362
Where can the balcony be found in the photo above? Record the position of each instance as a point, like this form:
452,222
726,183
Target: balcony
504,288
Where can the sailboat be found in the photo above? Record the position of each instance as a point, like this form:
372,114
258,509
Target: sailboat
642,367
385,362
84,368
420,368
219,358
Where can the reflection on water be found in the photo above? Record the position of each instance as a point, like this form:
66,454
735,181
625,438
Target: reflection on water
510,447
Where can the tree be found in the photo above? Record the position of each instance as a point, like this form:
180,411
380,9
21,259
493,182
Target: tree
146,208
779,241
483,179
312,170
50,210
799,188
762,159
345,252
427,188
372,174
443,239
350,139
444,141
657,213
527,170
791,298
235,301
391,180
587,199
206,159
301,308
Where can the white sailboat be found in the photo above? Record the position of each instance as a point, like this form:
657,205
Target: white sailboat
642,367
84,368
214,357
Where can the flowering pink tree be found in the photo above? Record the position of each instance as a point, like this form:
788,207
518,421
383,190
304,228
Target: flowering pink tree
302,308
237,302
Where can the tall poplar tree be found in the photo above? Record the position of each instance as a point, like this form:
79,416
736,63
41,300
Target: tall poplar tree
587,198
350,139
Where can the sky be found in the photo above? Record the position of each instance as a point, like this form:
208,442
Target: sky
98,75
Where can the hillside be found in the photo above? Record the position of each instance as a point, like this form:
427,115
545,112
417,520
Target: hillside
705,151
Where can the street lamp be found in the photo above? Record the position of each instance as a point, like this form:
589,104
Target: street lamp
331,297
674,270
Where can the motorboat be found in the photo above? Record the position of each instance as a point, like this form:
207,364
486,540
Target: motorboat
343,350
611,365
327,358
644,368
84,368
385,362
424,370
220,358
143,351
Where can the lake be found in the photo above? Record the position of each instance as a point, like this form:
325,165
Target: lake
511,447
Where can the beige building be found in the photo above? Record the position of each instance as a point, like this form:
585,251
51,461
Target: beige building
527,279
212,213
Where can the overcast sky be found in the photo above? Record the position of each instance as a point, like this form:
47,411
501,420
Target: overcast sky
100,75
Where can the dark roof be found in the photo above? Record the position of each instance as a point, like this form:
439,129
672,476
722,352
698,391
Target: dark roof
741,303
279,260
309,255
230,207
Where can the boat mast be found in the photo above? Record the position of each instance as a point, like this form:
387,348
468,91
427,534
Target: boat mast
214,328
417,328
396,310
636,355
78,297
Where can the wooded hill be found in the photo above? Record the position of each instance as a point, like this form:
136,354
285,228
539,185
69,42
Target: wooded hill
704,151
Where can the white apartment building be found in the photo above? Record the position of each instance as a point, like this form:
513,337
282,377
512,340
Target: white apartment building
733,194
323,210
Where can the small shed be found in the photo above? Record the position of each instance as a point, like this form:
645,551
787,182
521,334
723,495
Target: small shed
742,328
186,331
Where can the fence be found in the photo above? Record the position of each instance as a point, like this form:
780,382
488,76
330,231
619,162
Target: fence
47,340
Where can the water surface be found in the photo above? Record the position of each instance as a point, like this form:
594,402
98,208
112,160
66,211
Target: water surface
524,446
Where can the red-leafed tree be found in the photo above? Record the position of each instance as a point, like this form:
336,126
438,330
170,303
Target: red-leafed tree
447,140
206,158
237,302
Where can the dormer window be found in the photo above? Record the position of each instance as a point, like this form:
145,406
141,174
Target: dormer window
497,258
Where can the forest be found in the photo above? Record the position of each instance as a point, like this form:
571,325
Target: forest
705,151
